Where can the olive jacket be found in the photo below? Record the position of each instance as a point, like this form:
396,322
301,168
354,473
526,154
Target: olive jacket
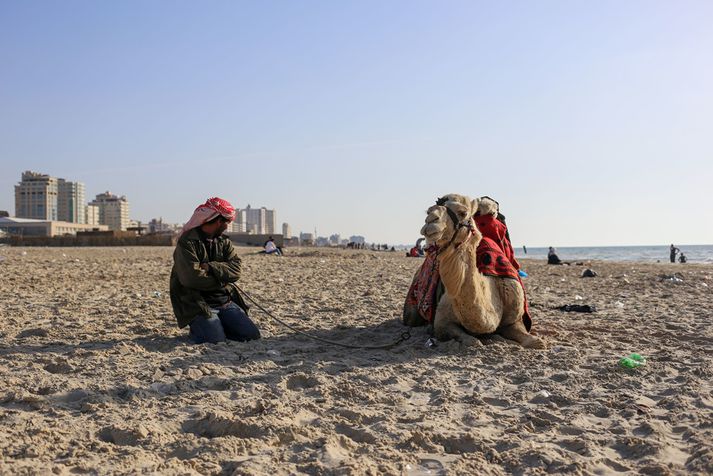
188,279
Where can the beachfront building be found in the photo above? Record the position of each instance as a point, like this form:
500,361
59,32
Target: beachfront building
255,220
113,211
158,226
260,221
239,225
30,227
91,213
307,239
286,231
36,196
335,239
70,201
270,222
359,240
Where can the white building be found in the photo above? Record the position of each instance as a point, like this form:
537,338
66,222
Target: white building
360,240
240,223
91,214
32,227
36,196
255,220
113,211
270,222
286,231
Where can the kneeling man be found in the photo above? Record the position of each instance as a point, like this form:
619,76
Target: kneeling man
204,265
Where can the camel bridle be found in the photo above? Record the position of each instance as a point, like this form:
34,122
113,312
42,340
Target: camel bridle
467,223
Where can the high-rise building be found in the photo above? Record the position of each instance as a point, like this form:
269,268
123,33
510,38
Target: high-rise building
240,223
270,222
286,231
36,196
91,214
113,210
259,221
70,201
255,220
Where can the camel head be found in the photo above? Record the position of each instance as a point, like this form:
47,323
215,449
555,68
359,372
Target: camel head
450,221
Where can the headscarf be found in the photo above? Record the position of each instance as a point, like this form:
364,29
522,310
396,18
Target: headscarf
206,212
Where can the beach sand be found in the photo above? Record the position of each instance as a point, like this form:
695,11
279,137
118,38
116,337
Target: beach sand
96,378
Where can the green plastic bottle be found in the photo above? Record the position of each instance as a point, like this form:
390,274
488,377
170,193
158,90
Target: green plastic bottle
632,361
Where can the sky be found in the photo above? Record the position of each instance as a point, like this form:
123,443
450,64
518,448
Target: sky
590,122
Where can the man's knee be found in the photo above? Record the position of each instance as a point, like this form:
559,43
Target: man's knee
208,330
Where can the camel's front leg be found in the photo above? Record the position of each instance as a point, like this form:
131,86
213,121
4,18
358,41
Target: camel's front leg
447,327
516,331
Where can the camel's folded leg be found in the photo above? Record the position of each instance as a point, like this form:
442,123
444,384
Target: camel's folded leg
447,327
516,331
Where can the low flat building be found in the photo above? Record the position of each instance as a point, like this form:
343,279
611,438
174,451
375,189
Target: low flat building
30,227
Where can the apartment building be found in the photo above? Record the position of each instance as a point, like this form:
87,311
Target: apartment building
70,201
36,196
113,210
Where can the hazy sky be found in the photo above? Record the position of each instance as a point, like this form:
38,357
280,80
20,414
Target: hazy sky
590,122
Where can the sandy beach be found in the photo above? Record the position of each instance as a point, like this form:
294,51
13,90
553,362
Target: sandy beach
96,378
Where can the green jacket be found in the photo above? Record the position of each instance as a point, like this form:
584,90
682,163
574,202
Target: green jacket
188,279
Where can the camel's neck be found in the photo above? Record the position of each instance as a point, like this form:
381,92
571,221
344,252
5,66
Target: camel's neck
461,278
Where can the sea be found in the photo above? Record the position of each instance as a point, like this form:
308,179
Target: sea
648,254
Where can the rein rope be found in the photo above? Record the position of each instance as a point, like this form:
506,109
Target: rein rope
402,338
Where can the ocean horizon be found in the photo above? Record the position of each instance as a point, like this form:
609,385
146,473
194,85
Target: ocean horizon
648,254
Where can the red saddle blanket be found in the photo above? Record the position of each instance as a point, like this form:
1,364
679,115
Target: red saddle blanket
494,257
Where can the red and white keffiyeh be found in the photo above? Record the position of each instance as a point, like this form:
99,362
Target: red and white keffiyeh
206,212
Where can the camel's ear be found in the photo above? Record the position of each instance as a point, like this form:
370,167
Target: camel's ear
474,205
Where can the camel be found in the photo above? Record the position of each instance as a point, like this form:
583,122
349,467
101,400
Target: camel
473,304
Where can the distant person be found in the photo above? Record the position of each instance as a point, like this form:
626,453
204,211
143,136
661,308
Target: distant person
272,248
524,248
682,259
552,257
674,251
204,264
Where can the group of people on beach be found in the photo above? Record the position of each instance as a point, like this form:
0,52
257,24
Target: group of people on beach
681,259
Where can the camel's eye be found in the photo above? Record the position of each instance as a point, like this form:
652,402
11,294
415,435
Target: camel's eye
462,214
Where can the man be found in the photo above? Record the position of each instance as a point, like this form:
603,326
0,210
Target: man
204,265
673,253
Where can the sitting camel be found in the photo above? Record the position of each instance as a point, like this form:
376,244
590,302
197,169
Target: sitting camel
473,303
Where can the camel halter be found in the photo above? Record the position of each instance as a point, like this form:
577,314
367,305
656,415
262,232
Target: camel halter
467,223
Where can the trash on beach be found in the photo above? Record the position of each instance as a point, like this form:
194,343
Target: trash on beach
521,273
577,297
633,361
24,253
619,305
578,308
431,343
273,352
138,295
588,273
156,294
671,278
544,394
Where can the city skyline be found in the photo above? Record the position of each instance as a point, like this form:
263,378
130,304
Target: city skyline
64,200
588,122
